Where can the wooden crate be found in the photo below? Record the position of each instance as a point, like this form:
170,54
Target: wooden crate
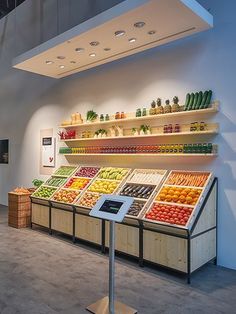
19,210
19,222
18,198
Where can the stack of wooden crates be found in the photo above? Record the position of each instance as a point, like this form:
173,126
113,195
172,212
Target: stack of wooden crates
19,210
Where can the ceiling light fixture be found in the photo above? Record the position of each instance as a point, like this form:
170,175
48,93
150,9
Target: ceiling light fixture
107,49
79,49
92,55
49,62
152,32
73,62
61,57
61,66
139,24
94,43
119,33
132,40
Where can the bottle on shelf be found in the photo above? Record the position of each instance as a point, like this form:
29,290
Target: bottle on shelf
167,108
152,110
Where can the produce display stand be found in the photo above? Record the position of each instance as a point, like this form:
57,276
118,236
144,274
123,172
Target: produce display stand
180,248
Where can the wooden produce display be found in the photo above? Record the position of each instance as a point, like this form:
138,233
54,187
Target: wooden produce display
19,210
183,243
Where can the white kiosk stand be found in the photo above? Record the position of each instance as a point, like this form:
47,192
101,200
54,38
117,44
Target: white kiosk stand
114,209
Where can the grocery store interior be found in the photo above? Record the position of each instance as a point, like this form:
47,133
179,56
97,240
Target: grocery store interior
117,156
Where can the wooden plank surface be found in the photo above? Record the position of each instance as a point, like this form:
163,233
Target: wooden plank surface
88,228
62,221
40,215
165,250
127,239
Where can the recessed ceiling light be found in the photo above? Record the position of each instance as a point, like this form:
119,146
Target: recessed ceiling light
139,24
132,40
61,57
61,66
92,55
73,62
107,49
79,49
119,33
94,43
152,32
49,62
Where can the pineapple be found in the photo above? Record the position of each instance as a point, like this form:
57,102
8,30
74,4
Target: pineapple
175,106
152,110
167,108
159,109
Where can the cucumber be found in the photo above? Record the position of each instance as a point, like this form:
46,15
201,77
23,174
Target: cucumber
208,100
187,102
204,99
190,106
195,101
200,94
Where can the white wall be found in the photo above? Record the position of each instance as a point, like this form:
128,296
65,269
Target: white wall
29,102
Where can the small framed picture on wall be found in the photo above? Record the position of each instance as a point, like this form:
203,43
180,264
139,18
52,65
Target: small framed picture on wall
4,154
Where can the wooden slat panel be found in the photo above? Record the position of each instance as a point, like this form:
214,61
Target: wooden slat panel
207,219
88,228
62,221
40,215
203,249
127,239
165,250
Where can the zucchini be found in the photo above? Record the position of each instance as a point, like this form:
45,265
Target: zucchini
204,99
200,94
187,102
195,101
190,106
208,101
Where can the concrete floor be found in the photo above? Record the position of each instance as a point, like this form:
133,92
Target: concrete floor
40,274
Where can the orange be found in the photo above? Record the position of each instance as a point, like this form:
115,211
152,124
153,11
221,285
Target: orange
183,193
192,194
171,192
175,197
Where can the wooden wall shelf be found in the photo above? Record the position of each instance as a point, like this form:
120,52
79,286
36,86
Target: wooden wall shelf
131,117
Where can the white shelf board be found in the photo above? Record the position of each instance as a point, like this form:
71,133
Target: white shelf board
192,113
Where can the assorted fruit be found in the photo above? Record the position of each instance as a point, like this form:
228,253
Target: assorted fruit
21,191
87,172
55,181
103,186
172,214
44,192
113,173
137,190
173,194
146,176
66,196
188,179
77,183
89,199
136,208
65,171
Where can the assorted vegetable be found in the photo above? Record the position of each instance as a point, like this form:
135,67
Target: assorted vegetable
54,181
37,183
172,214
89,199
77,183
188,179
66,196
87,172
44,192
198,100
65,171
91,116
137,190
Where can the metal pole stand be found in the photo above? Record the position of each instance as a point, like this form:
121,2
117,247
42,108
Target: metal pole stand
108,305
